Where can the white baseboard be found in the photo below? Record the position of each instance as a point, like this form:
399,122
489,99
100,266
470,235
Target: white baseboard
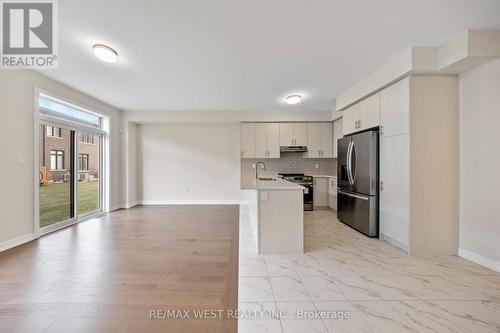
16,242
479,259
394,242
130,205
190,202
116,207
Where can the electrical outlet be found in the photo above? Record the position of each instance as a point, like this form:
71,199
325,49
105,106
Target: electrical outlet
264,196
253,166
316,166
186,189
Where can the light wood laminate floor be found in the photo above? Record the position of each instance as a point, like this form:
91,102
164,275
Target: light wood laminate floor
108,274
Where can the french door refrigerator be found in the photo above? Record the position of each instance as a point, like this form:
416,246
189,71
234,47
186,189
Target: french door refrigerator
358,179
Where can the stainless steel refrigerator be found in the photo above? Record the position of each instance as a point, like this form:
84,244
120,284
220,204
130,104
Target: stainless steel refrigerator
358,179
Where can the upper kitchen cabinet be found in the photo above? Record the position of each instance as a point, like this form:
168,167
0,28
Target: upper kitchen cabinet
267,140
319,140
293,134
337,134
350,119
247,140
362,115
395,109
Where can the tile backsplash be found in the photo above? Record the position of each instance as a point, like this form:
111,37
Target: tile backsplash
290,163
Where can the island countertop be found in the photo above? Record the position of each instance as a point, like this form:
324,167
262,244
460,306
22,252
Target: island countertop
276,184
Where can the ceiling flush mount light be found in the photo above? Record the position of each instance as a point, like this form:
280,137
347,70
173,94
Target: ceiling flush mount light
105,53
293,99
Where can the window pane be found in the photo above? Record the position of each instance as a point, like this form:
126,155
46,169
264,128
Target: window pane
53,164
65,111
89,173
60,161
56,185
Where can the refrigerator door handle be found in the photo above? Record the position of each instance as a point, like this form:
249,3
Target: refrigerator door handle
354,195
349,178
349,163
353,172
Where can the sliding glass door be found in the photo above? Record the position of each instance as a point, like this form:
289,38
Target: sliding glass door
70,164
89,173
57,186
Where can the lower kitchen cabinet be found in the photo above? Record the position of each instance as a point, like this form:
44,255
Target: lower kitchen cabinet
320,194
332,193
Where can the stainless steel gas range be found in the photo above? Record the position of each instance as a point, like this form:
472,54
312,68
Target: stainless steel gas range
307,182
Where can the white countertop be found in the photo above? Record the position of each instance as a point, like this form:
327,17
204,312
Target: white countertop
278,184
324,176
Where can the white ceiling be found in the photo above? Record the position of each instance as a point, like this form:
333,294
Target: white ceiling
246,55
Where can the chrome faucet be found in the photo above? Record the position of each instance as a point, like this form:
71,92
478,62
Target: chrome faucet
257,168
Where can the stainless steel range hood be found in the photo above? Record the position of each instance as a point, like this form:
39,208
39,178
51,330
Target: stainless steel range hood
293,149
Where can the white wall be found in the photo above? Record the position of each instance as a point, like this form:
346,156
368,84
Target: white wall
132,164
129,164
16,138
205,158
480,164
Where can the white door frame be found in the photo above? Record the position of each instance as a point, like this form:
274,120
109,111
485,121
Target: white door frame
103,168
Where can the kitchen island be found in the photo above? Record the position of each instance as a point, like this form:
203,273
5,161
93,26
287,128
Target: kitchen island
277,212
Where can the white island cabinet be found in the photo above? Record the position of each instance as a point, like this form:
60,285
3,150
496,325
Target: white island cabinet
277,213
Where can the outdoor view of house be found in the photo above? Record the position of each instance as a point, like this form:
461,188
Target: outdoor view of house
56,173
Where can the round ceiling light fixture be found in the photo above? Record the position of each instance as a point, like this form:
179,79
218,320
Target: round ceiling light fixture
105,53
293,99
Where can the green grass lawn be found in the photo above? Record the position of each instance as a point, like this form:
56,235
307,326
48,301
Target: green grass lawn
55,201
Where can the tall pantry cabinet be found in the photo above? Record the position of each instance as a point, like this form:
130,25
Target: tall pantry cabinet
419,164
